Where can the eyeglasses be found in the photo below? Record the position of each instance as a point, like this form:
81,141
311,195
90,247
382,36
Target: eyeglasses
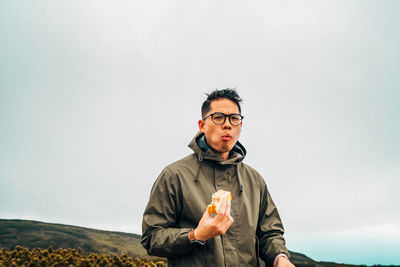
219,118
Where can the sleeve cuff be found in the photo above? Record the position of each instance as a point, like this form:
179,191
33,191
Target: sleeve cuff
197,242
192,239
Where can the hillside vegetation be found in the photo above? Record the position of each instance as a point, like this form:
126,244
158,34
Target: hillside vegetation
33,234
21,256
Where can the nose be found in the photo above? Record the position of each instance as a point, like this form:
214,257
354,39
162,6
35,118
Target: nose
227,124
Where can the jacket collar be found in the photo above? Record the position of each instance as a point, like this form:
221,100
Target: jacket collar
204,151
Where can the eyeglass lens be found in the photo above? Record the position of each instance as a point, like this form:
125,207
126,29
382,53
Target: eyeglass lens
219,118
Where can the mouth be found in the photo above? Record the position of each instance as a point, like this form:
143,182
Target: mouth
226,137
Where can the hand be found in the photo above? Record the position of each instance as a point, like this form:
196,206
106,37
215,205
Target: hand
210,227
284,262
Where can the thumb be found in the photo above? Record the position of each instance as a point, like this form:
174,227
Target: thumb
206,215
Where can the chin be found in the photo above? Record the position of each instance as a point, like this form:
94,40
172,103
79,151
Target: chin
226,148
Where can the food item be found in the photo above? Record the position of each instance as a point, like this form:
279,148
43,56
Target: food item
217,199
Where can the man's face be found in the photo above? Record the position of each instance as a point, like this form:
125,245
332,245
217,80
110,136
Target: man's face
223,137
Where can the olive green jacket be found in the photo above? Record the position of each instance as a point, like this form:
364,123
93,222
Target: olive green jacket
179,198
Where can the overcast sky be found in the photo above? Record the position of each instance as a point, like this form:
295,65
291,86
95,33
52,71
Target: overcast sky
96,97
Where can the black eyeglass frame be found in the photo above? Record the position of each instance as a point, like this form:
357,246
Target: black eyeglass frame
225,115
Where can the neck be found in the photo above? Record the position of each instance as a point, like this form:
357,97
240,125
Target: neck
224,155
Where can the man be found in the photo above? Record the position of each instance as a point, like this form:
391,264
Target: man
246,231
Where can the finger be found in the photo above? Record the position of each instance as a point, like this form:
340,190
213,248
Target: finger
230,220
207,217
228,207
224,207
221,211
206,214
226,222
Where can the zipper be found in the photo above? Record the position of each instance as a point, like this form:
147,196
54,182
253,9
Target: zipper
223,249
205,254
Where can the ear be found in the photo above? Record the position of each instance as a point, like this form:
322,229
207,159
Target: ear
201,126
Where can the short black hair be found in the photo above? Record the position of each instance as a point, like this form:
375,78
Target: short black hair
229,93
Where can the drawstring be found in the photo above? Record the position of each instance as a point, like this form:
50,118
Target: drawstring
239,180
200,159
215,178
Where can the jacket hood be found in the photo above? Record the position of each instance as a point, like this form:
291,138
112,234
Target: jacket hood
204,151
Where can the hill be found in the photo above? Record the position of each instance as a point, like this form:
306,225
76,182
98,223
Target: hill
33,234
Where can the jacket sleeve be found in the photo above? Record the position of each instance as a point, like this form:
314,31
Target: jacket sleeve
161,235
270,229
